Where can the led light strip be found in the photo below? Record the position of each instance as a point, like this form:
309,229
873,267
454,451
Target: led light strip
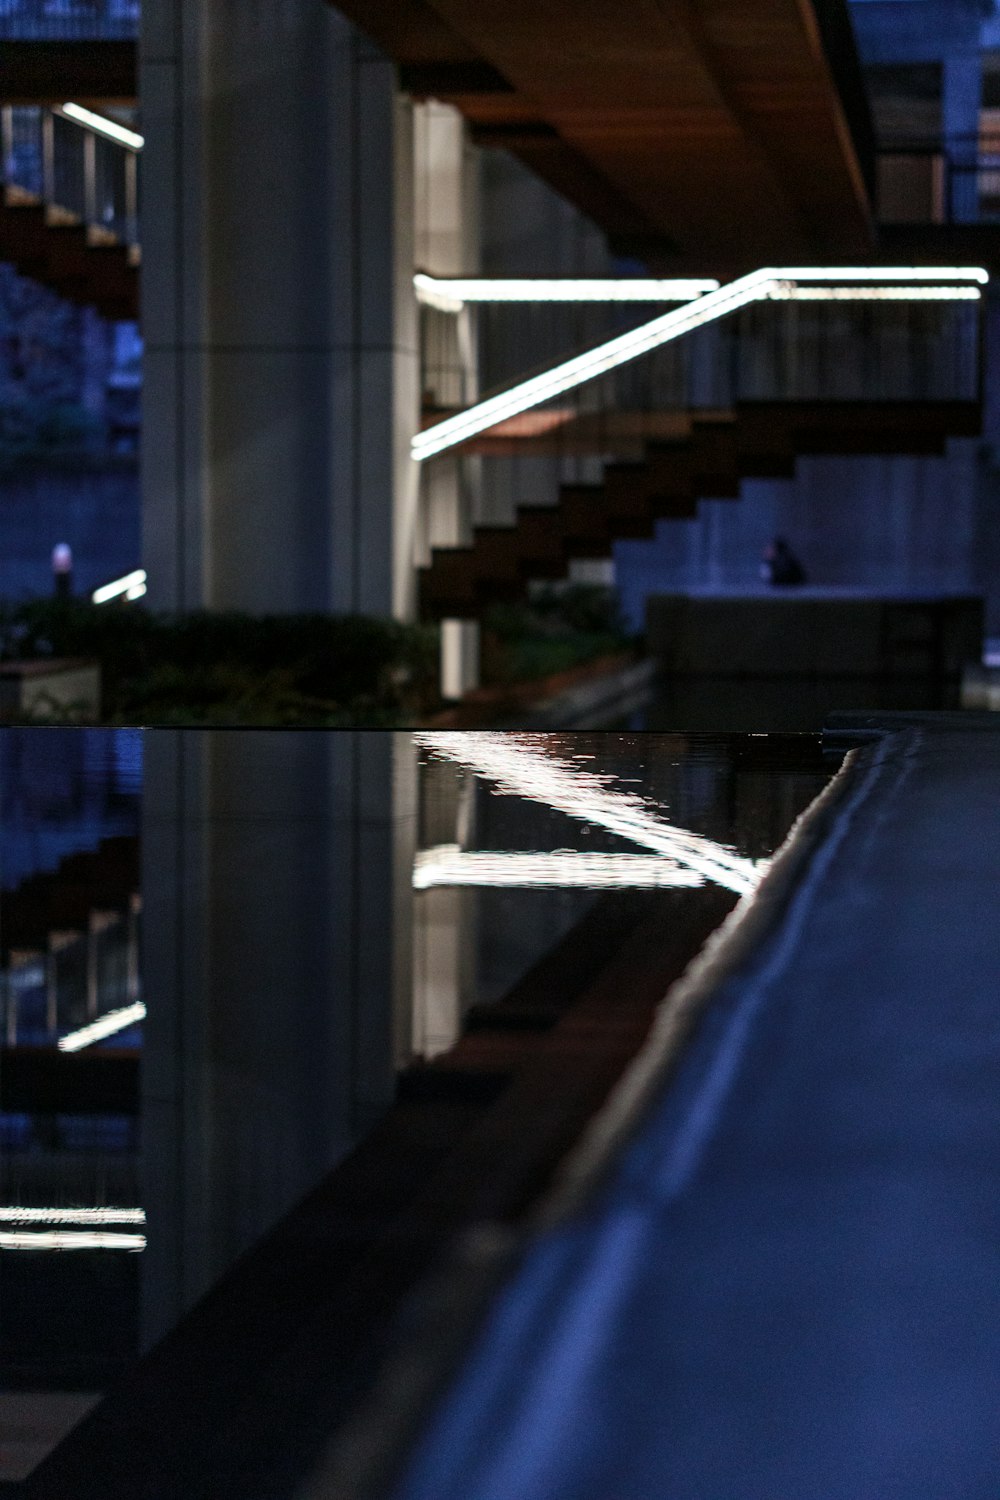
104,1026
519,764
101,125
132,585
69,1239
758,286
791,293
449,865
22,1215
453,292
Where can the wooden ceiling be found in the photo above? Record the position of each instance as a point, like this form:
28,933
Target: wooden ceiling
708,136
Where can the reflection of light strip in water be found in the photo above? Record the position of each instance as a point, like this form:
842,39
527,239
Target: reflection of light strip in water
132,585
518,764
759,285
115,1020
21,1215
450,865
69,1239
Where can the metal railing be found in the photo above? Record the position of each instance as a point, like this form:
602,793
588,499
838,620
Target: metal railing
69,20
80,978
939,182
80,174
871,335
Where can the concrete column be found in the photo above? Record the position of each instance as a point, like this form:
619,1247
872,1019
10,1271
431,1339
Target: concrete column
276,969
961,98
281,380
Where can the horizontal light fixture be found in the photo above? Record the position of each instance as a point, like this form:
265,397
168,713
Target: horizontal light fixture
69,1239
106,1025
520,766
452,292
778,282
449,865
12,1214
791,293
131,585
101,125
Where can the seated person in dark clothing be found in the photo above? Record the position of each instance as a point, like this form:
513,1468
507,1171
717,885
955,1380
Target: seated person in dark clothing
780,565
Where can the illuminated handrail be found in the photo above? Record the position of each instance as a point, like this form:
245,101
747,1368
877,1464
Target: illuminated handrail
789,283
130,586
83,166
451,293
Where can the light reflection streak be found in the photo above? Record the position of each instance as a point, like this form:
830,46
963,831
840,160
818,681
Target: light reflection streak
104,1026
518,765
450,865
15,1214
69,1239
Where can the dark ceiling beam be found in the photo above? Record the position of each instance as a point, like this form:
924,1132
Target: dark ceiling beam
713,134
54,72
443,80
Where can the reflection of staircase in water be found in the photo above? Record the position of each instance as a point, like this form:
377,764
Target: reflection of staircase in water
687,457
474,1137
62,919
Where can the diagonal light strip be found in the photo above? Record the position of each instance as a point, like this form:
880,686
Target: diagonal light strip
759,285
450,865
132,585
107,1025
101,125
518,765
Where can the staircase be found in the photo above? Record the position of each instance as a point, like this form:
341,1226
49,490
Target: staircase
707,455
68,210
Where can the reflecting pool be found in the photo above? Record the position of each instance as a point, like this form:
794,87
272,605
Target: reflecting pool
221,949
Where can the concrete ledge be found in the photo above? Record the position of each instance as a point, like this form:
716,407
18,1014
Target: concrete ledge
808,632
61,688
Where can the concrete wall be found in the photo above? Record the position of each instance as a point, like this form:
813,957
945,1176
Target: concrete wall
896,524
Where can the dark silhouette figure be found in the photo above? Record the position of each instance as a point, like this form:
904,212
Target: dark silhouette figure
780,566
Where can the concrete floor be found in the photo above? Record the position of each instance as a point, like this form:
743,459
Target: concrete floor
786,1286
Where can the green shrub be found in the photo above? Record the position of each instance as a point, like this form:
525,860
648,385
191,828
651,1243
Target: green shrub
233,668
559,627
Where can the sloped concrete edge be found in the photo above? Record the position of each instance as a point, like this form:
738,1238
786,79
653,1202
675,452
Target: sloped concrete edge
443,1317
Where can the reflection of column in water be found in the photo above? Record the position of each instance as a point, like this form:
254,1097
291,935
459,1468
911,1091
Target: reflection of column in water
275,964
444,926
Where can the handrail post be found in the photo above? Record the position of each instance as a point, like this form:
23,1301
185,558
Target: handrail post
89,177
7,141
48,156
131,198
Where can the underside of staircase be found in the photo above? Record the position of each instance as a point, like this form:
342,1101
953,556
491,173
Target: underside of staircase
85,264
702,455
